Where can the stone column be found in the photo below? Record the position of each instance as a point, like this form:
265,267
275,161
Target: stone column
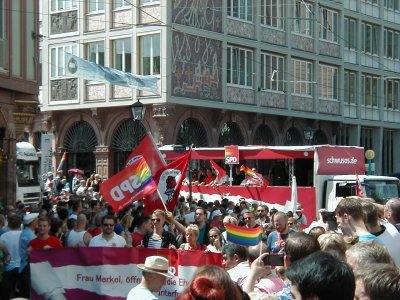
102,157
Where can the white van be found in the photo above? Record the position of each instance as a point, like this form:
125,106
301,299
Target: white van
28,188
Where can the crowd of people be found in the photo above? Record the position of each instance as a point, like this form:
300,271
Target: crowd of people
356,257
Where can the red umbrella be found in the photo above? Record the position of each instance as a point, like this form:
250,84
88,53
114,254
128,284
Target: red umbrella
76,171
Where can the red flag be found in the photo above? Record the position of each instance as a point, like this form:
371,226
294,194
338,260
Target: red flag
219,172
131,184
359,191
254,177
150,152
169,181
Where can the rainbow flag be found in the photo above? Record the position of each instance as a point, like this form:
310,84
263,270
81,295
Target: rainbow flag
131,184
254,177
62,161
243,235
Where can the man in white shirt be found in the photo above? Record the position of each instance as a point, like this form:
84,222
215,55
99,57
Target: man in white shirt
108,238
235,262
155,274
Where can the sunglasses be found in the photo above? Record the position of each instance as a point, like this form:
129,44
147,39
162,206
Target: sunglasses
214,236
108,225
260,210
290,223
156,220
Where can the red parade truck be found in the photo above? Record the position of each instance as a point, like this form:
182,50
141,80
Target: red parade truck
324,174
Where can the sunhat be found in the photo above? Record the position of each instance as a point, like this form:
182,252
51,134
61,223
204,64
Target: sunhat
156,264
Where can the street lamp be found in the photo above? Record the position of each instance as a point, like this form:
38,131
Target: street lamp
138,110
308,133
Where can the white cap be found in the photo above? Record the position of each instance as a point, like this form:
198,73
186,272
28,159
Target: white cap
28,219
216,213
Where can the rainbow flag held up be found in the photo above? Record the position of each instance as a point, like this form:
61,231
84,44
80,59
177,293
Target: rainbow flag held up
254,177
242,235
62,161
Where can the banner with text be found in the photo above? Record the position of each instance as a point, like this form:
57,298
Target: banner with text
47,153
107,273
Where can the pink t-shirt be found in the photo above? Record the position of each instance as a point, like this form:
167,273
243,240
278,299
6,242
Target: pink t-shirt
271,284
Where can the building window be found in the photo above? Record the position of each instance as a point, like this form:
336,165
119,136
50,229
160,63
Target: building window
272,72
366,138
392,94
391,43
272,13
122,3
371,1
122,54
391,4
370,38
350,87
329,82
150,54
370,90
96,5
58,63
3,20
328,25
302,17
343,136
301,71
350,30
148,1
57,5
95,52
241,9
239,66
389,151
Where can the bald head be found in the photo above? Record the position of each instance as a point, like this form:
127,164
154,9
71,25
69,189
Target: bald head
392,210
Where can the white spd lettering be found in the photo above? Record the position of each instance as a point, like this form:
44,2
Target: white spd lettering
128,185
231,159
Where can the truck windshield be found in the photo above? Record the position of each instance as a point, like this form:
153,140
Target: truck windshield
381,190
27,173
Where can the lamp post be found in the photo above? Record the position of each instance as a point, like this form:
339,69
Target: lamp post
308,134
138,110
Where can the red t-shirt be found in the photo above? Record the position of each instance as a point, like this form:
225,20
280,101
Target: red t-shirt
51,241
209,179
94,231
137,238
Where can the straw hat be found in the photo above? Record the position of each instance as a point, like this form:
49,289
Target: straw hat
156,264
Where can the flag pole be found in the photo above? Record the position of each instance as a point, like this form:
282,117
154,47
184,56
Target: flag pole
161,199
260,244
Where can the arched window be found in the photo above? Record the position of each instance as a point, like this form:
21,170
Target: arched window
80,144
320,138
293,137
230,135
192,132
263,136
125,138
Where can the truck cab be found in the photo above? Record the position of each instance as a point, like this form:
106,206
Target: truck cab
28,189
379,188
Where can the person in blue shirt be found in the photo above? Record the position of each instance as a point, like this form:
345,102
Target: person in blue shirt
276,239
27,235
350,219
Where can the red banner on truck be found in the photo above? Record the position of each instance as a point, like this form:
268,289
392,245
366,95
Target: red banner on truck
340,161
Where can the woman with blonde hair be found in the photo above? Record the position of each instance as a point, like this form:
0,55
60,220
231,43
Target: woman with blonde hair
159,237
216,241
192,234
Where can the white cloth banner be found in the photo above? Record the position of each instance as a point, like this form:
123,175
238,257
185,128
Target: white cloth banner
88,70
